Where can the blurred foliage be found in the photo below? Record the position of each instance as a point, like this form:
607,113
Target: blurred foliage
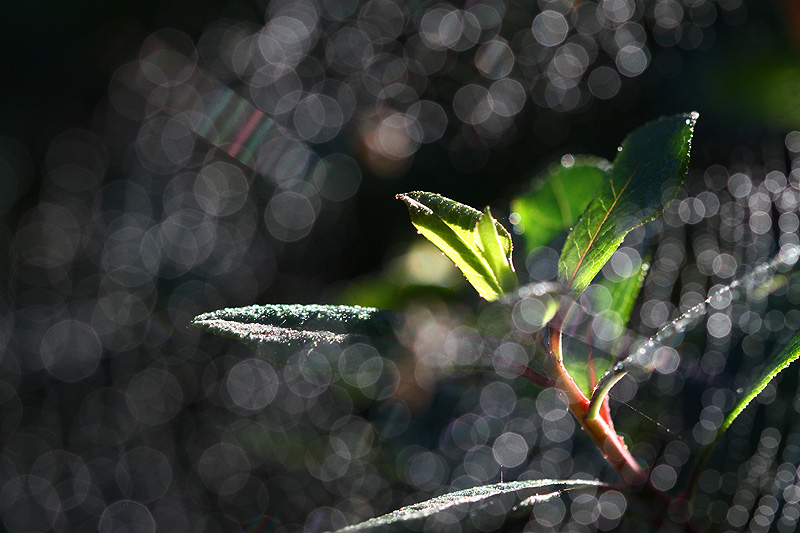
154,166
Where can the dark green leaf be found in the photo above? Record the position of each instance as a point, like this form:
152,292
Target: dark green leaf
292,326
559,196
471,505
454,229
645,177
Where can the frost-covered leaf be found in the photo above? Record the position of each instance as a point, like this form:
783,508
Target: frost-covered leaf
456,230
645,178
479,506
291,326
557,198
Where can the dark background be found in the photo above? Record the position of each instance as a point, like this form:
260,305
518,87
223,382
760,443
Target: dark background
84,446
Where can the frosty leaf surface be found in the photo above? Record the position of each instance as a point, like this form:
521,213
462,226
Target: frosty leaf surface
470,504
292,326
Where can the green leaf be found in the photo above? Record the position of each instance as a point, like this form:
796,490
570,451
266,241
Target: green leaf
481,251
763,376
558,197
281,327
615,305
492,246
624,292
645,177
475,506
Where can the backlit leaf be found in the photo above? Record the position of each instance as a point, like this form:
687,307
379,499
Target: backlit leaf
613,314
645,177
762,377
492,247
558,197
483,257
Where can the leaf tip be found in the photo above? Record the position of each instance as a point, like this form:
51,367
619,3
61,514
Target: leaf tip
691,119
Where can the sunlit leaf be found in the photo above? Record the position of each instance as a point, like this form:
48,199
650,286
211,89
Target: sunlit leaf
624,292
492,245
471,504
558,197
612,302
762,377
483,257
645,177
281,327
766,373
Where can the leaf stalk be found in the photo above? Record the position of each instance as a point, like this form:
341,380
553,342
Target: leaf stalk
602,432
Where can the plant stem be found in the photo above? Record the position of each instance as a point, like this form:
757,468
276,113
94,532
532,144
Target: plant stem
602,433
600,394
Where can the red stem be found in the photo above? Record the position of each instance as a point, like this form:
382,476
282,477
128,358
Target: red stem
602,433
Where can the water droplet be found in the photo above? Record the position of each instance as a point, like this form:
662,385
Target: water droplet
740,390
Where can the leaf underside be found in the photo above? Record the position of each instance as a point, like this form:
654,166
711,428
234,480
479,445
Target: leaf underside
280,326
558,197
468,505
454,228
645,177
